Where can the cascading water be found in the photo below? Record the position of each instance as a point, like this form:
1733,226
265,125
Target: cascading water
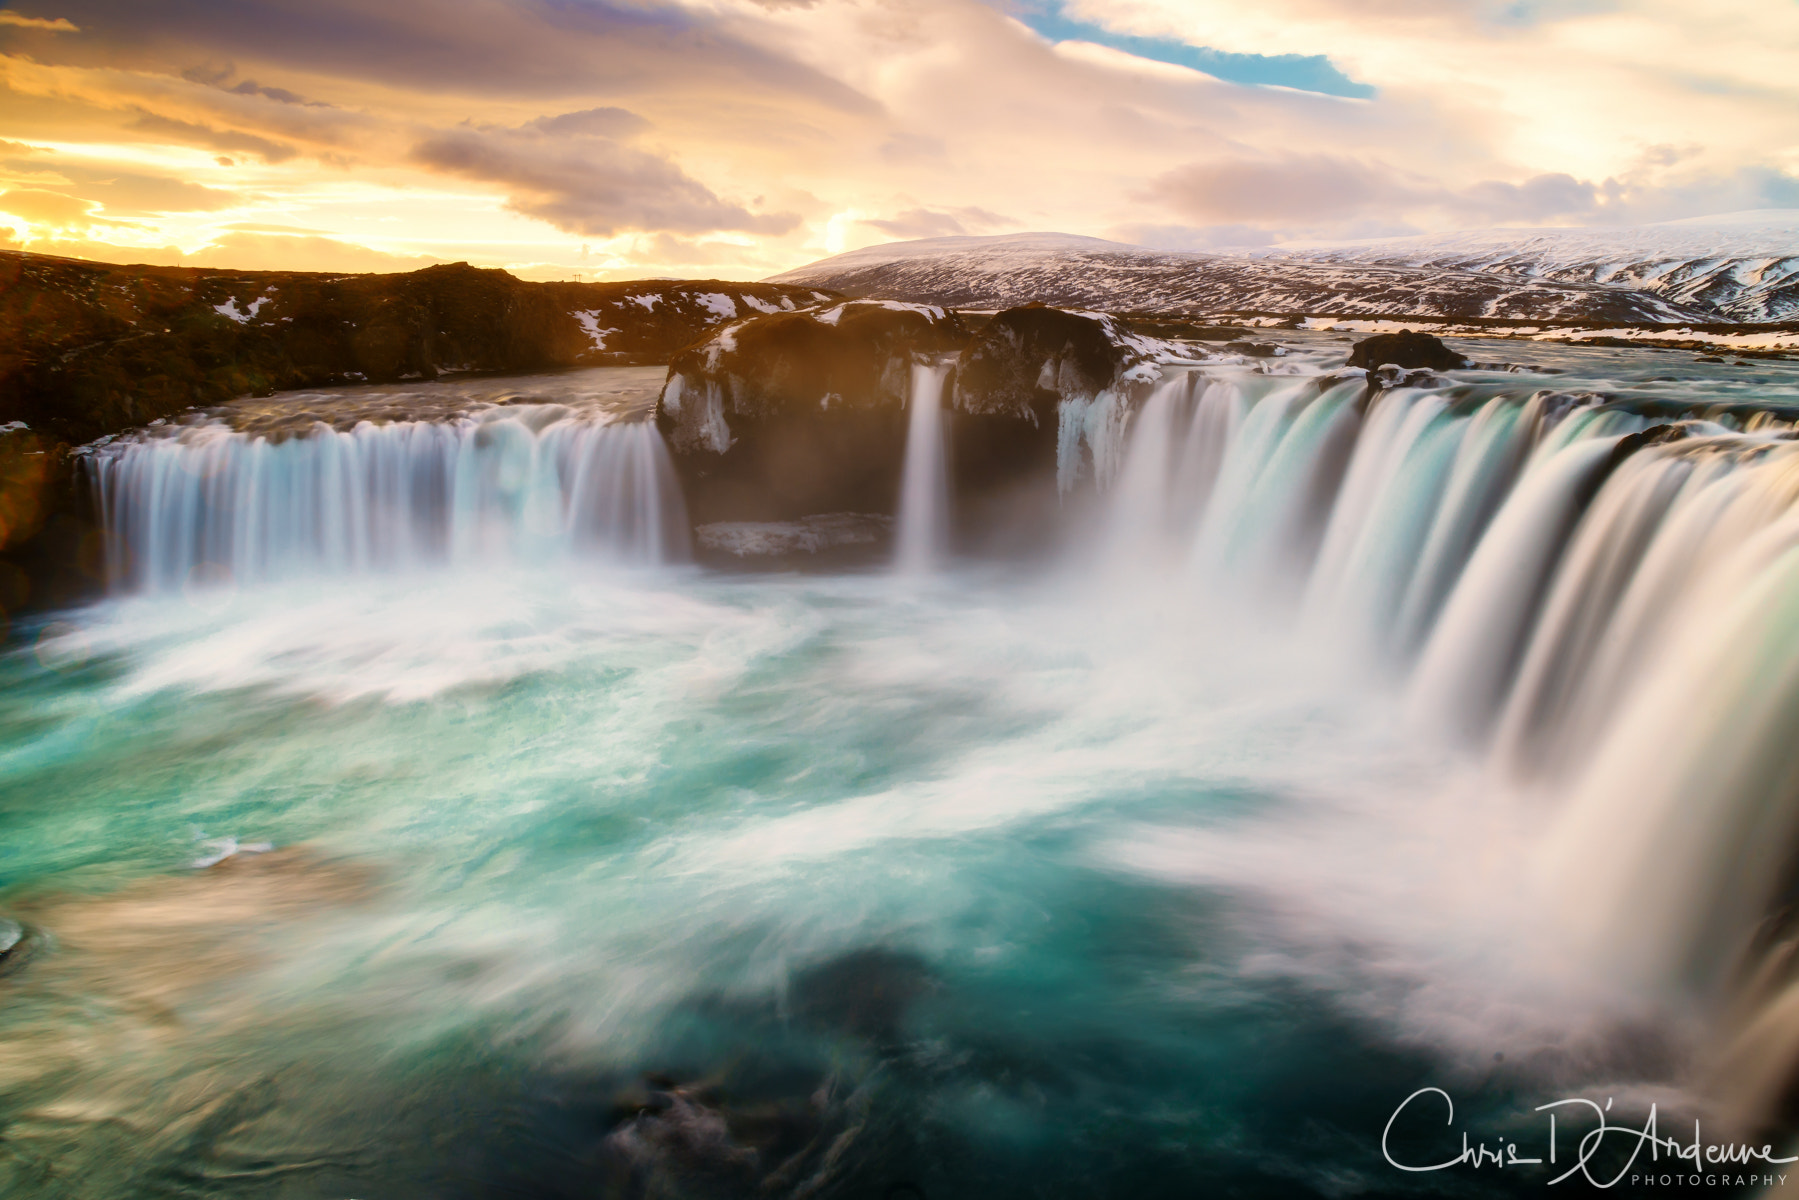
524,482
1612,614
924,517
812,884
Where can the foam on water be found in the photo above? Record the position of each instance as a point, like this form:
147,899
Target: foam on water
1000,884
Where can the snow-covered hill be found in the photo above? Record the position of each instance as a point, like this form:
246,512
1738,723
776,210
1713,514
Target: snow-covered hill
1741,266
1082,272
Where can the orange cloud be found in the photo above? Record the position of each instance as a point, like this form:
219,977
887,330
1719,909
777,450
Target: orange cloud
46,208
48,24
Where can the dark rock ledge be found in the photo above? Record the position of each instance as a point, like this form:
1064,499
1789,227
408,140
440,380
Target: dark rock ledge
778,418
89,349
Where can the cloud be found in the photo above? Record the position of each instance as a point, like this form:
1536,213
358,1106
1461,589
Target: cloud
274,252
919,223
511,48
190,134
1188,237
591,122
647,126
127,191
149,194
260,227
1316,190
586,184
1334,196
924,223
911,147
46,208
1281,189
106,252
219,76
48,25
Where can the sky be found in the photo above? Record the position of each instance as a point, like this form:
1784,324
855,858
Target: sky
617,139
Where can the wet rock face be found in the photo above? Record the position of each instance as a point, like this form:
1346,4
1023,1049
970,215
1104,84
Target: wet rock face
28,464
794,415
1655,435
1405,349
852,356
790,415
1008,387
1027,360
50,552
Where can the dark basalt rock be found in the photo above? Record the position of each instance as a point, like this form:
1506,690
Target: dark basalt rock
796,414
856,355
1009,385
51,554
88,349
1405,349
1173,327
1256,349
1027,360
1391,376
1655,435
29,465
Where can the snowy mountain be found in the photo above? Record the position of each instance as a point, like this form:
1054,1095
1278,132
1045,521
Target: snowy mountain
1741,266
1083,272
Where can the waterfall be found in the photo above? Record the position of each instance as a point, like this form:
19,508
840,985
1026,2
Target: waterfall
1141,516
1276,481
1593,595
1604,606
1469,661
523,482
923,532
1602,602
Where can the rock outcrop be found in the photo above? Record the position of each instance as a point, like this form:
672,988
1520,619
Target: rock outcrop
1010,390
49,551
1029,359
796,415
789,415
1405,349
88,349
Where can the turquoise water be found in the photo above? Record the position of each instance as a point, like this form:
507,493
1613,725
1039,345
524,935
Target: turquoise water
568,883
494,879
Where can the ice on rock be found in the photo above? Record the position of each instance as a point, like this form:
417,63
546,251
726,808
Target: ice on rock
590,324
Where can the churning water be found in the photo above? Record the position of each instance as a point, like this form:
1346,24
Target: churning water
1354,749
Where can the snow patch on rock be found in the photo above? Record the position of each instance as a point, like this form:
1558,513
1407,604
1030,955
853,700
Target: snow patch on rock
718,304
590,324
240,315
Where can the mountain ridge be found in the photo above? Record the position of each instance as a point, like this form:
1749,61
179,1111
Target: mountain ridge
1631,275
